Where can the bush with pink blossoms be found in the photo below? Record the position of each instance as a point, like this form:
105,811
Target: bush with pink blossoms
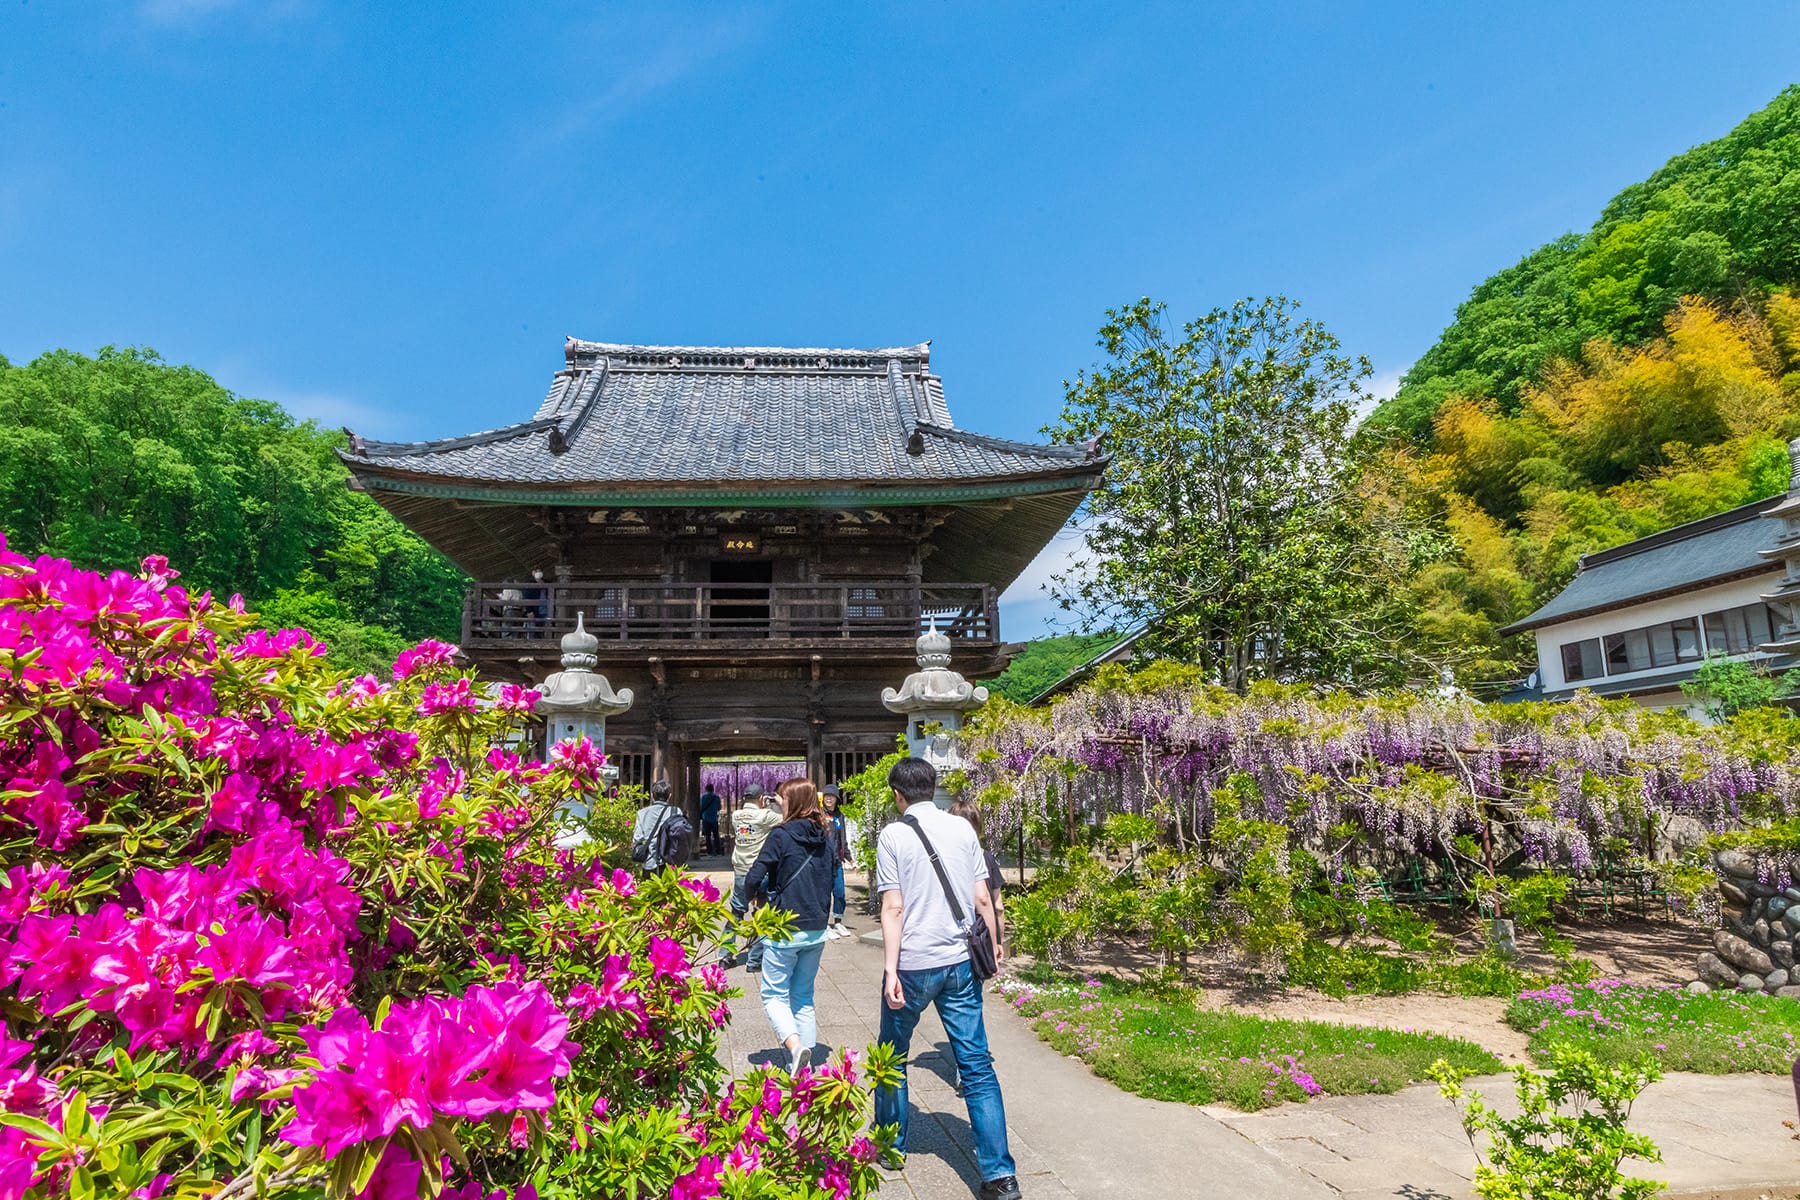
266,930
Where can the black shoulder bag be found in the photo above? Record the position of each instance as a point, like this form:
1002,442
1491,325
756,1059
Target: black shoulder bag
975,932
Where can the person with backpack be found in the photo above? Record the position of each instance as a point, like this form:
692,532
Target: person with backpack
661,835
794,868
709,821
936,918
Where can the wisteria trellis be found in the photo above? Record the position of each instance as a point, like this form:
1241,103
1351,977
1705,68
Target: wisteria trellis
1555,784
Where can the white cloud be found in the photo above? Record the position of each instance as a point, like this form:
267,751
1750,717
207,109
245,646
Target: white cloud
176,12
331,409
180,14
680,54
1384,386
1026,608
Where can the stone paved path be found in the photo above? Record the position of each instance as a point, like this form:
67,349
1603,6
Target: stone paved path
1075,1135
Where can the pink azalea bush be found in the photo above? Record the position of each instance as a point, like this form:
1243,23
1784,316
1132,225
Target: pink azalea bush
266,930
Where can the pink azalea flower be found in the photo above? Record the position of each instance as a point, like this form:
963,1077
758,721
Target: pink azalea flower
667,958
456,696
702,1183
157,572
581,757
701,887
516,699
427,654
397,1178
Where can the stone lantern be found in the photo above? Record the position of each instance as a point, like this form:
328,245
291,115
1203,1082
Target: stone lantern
934,699
576,700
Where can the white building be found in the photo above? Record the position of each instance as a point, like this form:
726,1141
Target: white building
1637,619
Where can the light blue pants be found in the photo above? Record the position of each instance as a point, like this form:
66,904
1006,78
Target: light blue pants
788,974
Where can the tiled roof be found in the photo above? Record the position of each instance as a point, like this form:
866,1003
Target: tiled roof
699,415
1711,550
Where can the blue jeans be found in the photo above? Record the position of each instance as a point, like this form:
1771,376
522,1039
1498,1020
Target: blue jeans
957,994
789,972
740,905
837,894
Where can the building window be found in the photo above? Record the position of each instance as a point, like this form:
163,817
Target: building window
1581,660
1661,645
865,604
1739,630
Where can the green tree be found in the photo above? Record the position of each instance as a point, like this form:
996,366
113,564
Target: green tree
109,458
1239,513
1726,686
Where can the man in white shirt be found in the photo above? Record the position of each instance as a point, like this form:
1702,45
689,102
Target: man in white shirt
928,962
750,826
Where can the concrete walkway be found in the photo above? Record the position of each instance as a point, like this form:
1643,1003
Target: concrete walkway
1075,1135
1072,1135
1721,1136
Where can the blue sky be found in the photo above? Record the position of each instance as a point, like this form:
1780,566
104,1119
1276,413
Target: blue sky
389,215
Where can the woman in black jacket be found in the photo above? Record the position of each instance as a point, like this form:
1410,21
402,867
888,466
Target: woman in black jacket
795,869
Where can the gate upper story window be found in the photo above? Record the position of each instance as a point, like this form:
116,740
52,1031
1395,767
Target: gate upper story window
865,603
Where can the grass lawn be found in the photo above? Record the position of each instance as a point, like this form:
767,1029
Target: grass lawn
1714,1033
1160,1043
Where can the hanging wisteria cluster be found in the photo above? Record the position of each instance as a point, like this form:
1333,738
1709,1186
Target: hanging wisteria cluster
1378,779
732,779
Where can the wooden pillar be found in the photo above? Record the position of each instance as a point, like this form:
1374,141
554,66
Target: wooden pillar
815,750
815,721
659,754
659,710
690,782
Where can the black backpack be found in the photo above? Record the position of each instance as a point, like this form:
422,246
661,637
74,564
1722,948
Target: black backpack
675,839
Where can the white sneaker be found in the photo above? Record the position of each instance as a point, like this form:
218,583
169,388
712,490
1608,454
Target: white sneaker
799,1060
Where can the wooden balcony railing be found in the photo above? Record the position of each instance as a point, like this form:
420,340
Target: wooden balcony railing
532,614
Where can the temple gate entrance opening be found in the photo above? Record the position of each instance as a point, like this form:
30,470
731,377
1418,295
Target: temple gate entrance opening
755,538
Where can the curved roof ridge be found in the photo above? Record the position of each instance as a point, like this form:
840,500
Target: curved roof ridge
695,355
371,446
1075,451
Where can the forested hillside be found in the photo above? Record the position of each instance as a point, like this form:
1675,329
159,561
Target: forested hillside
104,460
1718,221
1045,661
1609,385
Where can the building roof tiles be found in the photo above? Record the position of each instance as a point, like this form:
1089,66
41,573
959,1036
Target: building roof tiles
692,415
1714,549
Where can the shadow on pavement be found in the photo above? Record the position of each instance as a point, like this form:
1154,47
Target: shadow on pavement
945,1137
777,1057
939,1061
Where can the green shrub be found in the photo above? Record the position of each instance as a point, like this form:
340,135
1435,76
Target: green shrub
1569,1137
